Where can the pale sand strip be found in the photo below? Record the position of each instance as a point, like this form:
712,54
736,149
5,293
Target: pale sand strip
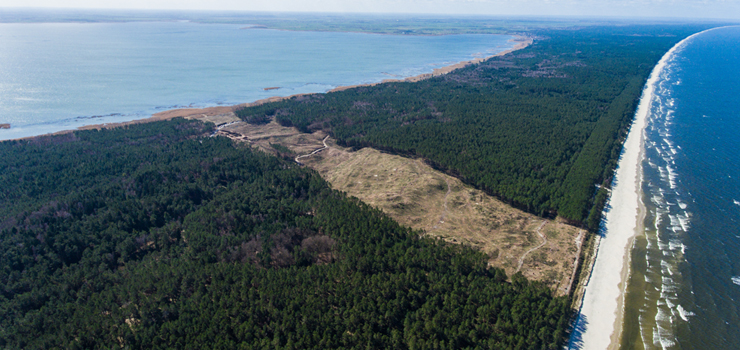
599,322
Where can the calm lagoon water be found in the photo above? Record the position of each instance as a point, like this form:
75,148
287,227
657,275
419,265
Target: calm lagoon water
684,291
58,76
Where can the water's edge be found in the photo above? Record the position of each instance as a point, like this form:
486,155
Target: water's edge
595,327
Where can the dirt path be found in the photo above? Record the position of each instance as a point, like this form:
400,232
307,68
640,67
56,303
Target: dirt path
314,152
544,241
229,134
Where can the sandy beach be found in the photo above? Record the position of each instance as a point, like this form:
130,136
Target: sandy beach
599,322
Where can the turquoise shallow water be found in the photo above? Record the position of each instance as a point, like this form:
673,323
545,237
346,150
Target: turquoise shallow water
57,76
684,292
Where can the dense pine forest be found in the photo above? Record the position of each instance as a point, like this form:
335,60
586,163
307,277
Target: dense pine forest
541,128
158,236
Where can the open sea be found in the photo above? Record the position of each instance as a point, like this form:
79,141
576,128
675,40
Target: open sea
684,290
59,76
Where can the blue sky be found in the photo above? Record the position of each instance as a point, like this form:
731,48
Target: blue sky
723,9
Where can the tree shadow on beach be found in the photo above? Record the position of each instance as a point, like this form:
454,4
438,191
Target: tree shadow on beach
604,219
576,336
608,205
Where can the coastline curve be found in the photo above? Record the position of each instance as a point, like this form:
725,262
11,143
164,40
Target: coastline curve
598,324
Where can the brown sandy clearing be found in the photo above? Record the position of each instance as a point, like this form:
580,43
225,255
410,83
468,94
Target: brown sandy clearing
418,196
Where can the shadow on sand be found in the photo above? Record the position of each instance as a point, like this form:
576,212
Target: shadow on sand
576,336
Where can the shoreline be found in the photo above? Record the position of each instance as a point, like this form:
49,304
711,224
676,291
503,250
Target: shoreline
521,40
598,324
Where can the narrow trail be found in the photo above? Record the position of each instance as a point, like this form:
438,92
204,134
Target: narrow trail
229,134
229,124
314,152
544,241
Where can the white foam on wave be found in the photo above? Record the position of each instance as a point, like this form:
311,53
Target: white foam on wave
657,199
643,330
662,246
675,245
684,314
663,315
736,280
663,173
662,333
660,340
672,176
661,90
668,288
683,220
666,268
675,223
658,219
736,202
671,305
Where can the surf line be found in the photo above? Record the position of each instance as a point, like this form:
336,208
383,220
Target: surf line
598,324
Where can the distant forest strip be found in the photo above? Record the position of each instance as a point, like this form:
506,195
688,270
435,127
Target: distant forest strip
397,24
158,236
539,128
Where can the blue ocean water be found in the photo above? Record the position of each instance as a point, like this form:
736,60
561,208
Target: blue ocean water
684,291
57,76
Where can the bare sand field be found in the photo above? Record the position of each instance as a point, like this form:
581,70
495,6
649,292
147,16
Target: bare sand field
416,195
